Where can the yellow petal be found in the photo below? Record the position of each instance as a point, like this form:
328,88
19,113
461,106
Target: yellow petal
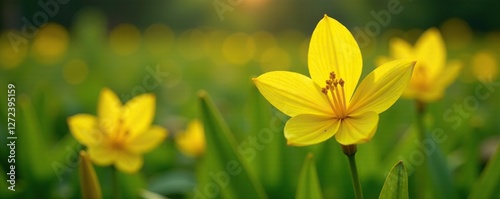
84,129
382,60
102,155
400,49
333,48
108,110
192,142
382,87
89,182
357,129
292,93
128,162
306,129
437,88
431,53
449,75
138,114
147,141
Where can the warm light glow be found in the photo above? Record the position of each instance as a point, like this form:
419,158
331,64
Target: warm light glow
238,48
125,40
275,58
51,43
8,55
484,66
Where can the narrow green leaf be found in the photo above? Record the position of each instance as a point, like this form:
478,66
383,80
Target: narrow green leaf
439,171
226,174
34,148
52,160
89,183
308,186
488,185
396,183
268,159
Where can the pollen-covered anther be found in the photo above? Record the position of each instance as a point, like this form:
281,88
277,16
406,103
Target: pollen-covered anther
341,82
324,90
332,75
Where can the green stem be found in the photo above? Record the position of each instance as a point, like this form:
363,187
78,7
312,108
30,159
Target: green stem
421,170
355,178
114,176
350,152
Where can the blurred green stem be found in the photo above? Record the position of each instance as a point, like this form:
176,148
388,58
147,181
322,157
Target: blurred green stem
421,170
350,151
114,181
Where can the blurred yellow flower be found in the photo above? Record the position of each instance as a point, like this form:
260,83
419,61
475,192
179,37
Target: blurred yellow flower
336,109
430,77
192,141
119,134
484,65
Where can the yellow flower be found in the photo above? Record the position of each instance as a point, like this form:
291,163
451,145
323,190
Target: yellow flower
119,134
327,104
192,142
430,77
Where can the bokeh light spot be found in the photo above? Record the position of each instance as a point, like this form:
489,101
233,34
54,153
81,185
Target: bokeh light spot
125,39
456,33
193,44
275,59
238,48
50,44
484,65
10,58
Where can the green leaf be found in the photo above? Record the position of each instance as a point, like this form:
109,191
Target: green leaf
488,185
89,183
396,184
226,174
268,159
438,168
308,186
34,148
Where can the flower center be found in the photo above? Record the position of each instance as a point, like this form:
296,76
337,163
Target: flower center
121,134
421,75
334,92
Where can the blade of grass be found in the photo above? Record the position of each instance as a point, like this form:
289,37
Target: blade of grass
308,186
488,185
229,175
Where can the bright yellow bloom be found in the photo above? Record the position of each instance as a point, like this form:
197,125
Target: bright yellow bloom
119,134
327,104
192,142
430,77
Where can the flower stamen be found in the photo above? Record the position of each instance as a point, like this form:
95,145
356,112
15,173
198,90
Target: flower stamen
337,99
